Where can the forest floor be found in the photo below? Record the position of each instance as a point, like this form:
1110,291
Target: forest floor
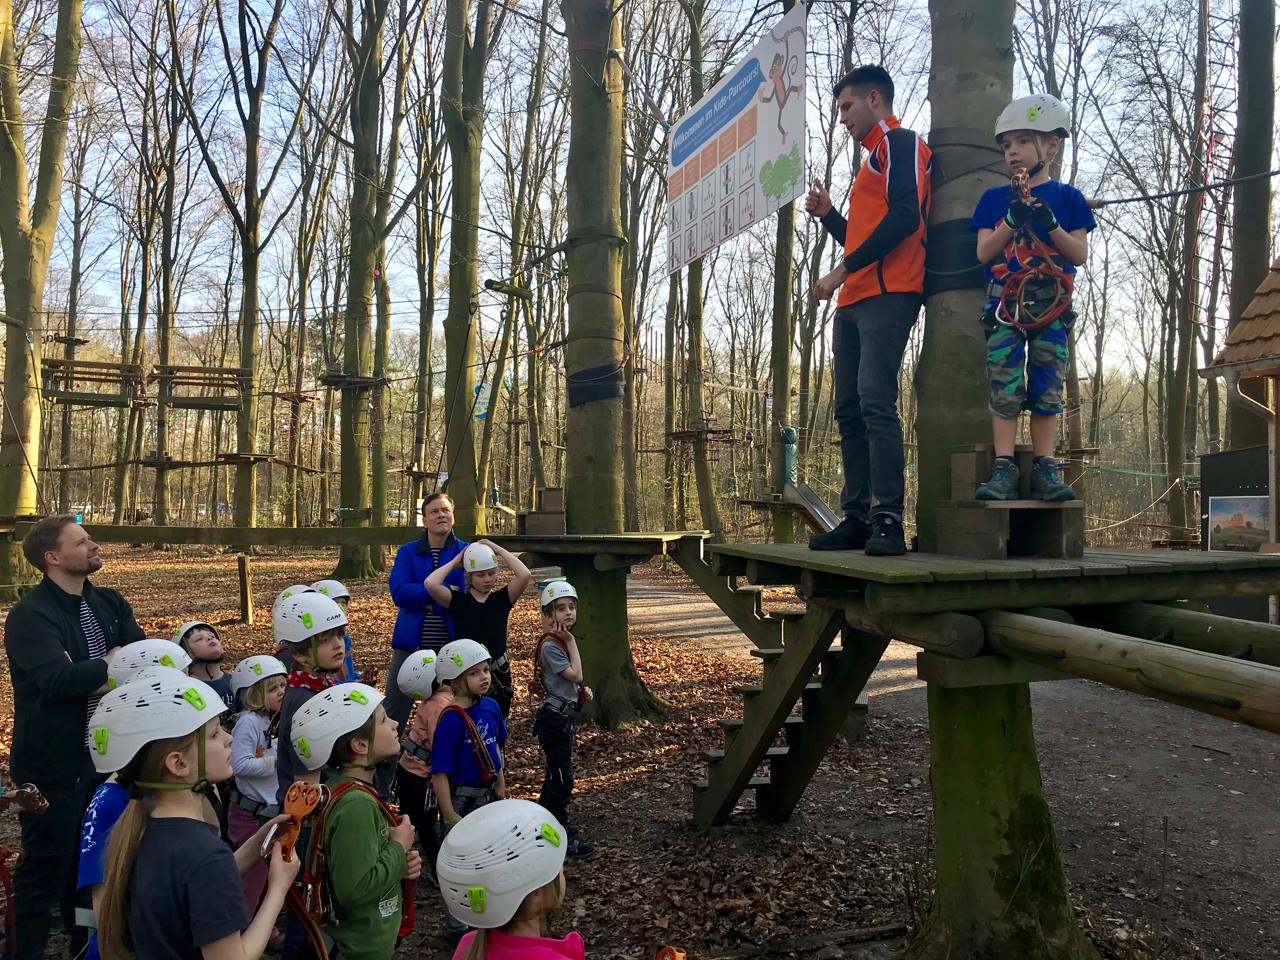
1167,819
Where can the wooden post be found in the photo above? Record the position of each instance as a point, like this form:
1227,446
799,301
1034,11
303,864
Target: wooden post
246,589
1001,890
1243,639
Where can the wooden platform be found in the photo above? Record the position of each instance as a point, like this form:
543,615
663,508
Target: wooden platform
927,583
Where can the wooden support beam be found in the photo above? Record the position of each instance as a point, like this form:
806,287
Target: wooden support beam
950,634
740,607
1245,692
986,671
767,574
885,598
613,561
1242,639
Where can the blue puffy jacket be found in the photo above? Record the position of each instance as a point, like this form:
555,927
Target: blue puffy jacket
412,566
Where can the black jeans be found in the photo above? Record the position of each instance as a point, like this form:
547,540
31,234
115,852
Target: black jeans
555,734
396,703
45,879
868,341
418,803
500,688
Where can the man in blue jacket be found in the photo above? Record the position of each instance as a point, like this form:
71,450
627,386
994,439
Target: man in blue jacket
59,639
421,624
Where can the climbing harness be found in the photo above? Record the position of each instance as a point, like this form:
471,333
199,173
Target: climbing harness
1038,277
538,683
301,800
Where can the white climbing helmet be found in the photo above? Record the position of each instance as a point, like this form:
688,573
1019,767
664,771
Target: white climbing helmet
459,656
252,669
478,557
1039,112
180,636
495,857
281,601
555,590
162,705
417,674
306,616
333,589
133,658
327,717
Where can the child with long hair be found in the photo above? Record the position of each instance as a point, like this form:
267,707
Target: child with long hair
172,887
501,870
258,684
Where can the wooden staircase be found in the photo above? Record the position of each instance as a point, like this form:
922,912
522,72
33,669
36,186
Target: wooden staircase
807,691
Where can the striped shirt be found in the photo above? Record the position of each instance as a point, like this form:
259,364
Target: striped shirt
435,632
97,643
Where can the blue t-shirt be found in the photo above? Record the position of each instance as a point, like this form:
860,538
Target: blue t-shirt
349,673
1067,203
451,750
108,803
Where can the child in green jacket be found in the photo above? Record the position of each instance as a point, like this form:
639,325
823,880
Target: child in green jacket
367,849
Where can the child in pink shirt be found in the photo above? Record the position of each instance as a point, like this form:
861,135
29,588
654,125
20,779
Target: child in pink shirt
501,870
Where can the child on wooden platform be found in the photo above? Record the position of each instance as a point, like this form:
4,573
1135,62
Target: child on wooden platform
202,642
466,751
1032,236
361,851
557,679
501,870
480,612
417,680
259,683
108,802
171,886
337,591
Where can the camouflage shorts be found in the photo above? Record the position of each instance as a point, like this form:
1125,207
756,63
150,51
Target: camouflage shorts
1026,370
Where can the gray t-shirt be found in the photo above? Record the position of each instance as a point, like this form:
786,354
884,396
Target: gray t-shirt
555,659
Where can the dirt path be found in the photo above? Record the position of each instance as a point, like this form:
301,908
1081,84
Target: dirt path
1119,770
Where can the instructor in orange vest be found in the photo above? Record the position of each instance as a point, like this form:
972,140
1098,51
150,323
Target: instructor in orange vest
880,280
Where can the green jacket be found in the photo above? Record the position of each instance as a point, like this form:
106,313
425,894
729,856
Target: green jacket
365,869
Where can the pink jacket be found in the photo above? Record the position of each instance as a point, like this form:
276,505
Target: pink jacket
503,946
422,727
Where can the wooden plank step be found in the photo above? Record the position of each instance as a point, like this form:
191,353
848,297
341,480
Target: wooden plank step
735,723
755,689
755,783
714,756
773,653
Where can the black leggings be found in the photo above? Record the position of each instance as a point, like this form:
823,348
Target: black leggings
418,803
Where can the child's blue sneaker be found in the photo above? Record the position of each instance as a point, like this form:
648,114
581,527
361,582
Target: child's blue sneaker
1047,482
1003,484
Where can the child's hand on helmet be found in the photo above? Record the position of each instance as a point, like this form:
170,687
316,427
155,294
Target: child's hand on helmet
1043,216
412,865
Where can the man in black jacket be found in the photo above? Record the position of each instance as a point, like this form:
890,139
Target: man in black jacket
59,639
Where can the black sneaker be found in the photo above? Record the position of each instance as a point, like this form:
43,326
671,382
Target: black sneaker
886,537
852,534
580,848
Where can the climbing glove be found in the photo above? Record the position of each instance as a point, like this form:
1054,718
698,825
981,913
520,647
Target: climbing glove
1043,216
1019,213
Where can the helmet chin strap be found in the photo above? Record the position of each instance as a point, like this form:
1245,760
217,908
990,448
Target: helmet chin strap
201,785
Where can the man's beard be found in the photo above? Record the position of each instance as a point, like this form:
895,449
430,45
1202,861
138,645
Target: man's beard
92,565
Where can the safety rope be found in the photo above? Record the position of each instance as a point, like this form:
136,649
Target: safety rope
1035,266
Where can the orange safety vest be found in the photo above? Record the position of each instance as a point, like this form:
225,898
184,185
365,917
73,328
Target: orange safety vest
902,270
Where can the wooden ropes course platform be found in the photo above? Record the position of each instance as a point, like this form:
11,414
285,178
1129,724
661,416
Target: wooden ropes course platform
1113,616
92,383
202,388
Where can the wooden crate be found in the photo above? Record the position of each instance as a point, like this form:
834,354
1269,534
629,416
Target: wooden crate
995,529
540,523
550,500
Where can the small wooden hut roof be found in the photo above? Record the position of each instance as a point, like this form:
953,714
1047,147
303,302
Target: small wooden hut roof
1253,344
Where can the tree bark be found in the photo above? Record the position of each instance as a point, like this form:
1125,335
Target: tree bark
1251,218
27,227
593,428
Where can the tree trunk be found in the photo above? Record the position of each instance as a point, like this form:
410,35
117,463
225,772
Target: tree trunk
697,419
464,110
1180,387
1251,219
594,356
27,227
381,407
970,82
1000,890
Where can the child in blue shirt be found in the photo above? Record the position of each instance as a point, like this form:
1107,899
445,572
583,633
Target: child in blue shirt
466,749
1032,236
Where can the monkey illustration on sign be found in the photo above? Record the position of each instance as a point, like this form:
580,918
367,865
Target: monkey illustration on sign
782,73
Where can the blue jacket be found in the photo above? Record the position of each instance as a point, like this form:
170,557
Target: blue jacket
412,566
